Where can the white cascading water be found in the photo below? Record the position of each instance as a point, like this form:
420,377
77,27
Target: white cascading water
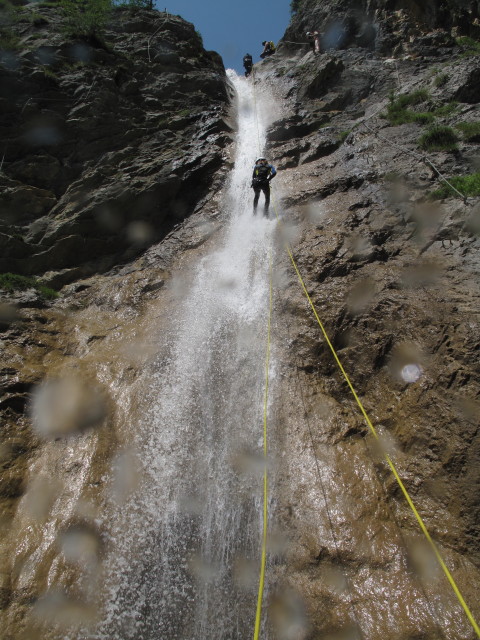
186,550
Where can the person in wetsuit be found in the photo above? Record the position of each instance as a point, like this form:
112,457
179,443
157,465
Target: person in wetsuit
268,49
248,64
263,173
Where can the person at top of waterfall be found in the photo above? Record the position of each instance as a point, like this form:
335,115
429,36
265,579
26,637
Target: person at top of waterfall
268,49
248,64
263,173
314,40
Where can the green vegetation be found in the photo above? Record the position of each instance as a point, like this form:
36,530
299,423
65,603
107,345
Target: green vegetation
85,17
8,41
295,5
37,19
439,138
440,80
398,113
184,113
343,135
134,4
470,131
392,176
48,73
467,185
446,109
11,282
471,46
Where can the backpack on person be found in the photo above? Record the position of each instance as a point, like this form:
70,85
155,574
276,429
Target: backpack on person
262,171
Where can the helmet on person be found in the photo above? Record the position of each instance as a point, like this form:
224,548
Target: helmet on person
261,160
264,42
247,55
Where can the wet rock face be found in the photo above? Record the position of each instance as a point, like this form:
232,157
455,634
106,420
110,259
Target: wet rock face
108,142
381,25
393,274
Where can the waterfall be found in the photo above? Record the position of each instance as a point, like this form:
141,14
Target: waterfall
185,550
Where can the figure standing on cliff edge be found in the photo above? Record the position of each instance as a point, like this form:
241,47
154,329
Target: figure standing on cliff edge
263,173
268,49
314,40
247,64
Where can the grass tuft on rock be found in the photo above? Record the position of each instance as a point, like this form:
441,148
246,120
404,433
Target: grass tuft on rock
470,131
471,47
441,80
439,138
9,41
398,113
467,185
11,282
446,109
343,135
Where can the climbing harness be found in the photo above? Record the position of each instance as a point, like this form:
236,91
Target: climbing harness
372,429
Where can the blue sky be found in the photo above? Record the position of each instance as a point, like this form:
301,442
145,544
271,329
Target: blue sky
233,28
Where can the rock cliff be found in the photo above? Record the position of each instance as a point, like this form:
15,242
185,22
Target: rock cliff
390,257
109,140
116,154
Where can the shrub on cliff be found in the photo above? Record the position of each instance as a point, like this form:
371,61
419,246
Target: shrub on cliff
85,17
295,5
470,131
439,138
134,4
467,185
11,282
398,113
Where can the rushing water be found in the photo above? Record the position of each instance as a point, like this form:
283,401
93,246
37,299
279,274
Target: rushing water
186,550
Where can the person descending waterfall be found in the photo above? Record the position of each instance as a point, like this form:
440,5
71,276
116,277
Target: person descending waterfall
268,49
263,173
248,64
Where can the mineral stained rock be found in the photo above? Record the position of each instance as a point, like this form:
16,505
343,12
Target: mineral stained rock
111,182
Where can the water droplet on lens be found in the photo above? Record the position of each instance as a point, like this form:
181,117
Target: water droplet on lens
40,496
421,275
407,363
361,295
287,613
61,407
245,572
80,52
140,233
204,570
9,60
126,475
8,313
80,544
422,560
59,609
40,135
411,372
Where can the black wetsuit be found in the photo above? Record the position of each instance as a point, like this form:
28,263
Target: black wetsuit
248,64
262,174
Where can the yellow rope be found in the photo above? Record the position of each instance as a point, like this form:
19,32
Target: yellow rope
261,584
376,436
370,425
